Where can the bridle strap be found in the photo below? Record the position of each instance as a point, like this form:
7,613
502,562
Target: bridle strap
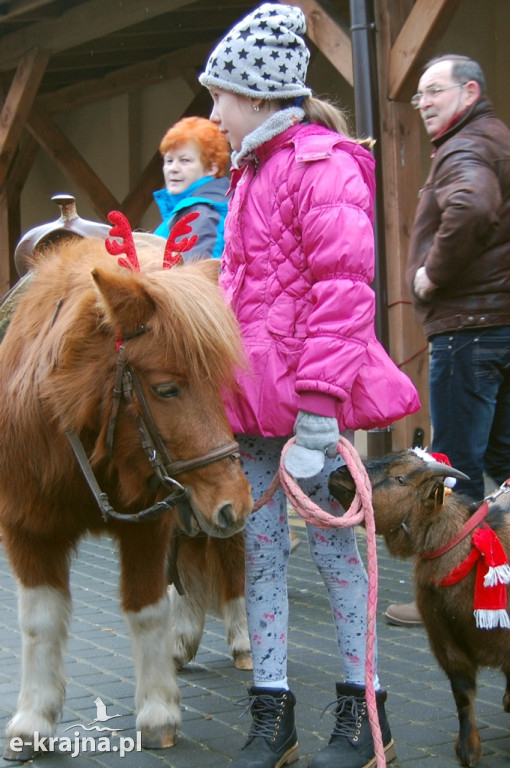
117,394
145,420
229,450
127,381
151,434
117,387
178,498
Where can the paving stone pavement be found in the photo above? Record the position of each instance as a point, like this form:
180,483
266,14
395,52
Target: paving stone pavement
98,664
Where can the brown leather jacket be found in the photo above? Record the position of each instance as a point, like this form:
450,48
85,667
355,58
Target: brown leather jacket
461,231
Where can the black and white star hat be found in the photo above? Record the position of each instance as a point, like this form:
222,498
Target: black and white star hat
263,56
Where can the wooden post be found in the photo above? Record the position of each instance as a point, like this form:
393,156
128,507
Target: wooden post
401,172
5,249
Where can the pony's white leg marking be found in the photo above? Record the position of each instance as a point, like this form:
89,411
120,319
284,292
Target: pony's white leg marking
157,696
233,613
187,619
44,614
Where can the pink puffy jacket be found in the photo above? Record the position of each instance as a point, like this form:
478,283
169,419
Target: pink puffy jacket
298,261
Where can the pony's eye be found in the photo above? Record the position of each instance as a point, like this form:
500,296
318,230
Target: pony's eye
168,389
400,480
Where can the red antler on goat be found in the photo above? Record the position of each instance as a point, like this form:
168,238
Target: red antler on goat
173,250
122,229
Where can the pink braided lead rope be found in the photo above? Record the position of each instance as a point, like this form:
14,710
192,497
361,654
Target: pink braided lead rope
360,510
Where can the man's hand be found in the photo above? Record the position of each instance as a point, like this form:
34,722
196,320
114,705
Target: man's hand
422,284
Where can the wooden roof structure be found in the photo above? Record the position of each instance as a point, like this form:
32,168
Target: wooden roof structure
56,55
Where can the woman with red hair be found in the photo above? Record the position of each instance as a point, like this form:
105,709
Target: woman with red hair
195,161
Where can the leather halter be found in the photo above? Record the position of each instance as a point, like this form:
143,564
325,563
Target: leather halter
127,384
469,526
471,523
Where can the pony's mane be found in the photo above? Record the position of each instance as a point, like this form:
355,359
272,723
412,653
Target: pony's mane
191,331
192,324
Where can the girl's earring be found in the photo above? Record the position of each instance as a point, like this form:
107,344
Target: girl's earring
256,107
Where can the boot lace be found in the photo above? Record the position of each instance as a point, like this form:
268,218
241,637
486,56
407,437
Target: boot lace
266,714
349,713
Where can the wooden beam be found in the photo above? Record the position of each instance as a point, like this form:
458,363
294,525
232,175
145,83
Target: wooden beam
22,7
125,80
330,36
85,22
5,247
21,167
63,153
9,235
18,104
16,179
415,44
140,196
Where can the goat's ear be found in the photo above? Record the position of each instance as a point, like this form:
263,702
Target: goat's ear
432,487
439,472
440,494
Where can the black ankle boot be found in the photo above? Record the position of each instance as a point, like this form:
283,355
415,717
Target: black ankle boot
351,744
272,741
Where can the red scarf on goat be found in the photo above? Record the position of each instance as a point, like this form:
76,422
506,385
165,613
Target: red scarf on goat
492,576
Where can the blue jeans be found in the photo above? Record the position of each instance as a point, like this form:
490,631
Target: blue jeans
470,404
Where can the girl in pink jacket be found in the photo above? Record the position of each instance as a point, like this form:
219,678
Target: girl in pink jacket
296,269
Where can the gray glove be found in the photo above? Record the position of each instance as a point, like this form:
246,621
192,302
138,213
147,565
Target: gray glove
316,437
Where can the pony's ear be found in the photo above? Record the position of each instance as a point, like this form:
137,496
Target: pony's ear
209,267
126,302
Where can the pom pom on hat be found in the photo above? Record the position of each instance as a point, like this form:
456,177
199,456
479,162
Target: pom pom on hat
262,56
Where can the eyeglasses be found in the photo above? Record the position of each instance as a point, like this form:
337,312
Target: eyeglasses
432,92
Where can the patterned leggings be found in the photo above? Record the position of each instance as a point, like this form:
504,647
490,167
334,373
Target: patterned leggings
334,552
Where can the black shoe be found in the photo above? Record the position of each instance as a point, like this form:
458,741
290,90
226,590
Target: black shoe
351,744
272,741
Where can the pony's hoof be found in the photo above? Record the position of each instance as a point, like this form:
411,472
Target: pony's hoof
243,661
161,737
24,753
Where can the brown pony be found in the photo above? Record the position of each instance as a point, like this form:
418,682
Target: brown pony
111,384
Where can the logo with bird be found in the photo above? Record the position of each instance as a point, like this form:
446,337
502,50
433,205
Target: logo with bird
101,717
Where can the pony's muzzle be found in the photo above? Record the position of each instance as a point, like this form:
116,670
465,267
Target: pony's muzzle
225,518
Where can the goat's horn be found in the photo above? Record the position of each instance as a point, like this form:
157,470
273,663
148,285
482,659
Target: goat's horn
438,469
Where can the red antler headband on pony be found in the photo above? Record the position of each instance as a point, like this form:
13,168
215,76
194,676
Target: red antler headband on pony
122,229
173,249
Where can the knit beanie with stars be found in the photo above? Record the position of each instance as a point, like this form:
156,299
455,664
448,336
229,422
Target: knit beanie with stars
263,56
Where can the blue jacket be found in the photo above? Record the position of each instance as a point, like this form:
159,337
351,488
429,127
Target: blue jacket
208,197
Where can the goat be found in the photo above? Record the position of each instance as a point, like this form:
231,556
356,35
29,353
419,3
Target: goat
419,517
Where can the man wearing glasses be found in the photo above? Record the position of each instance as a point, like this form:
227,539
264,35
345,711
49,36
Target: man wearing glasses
459,276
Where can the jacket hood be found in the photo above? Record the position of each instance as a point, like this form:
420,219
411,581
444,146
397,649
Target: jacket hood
209,187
